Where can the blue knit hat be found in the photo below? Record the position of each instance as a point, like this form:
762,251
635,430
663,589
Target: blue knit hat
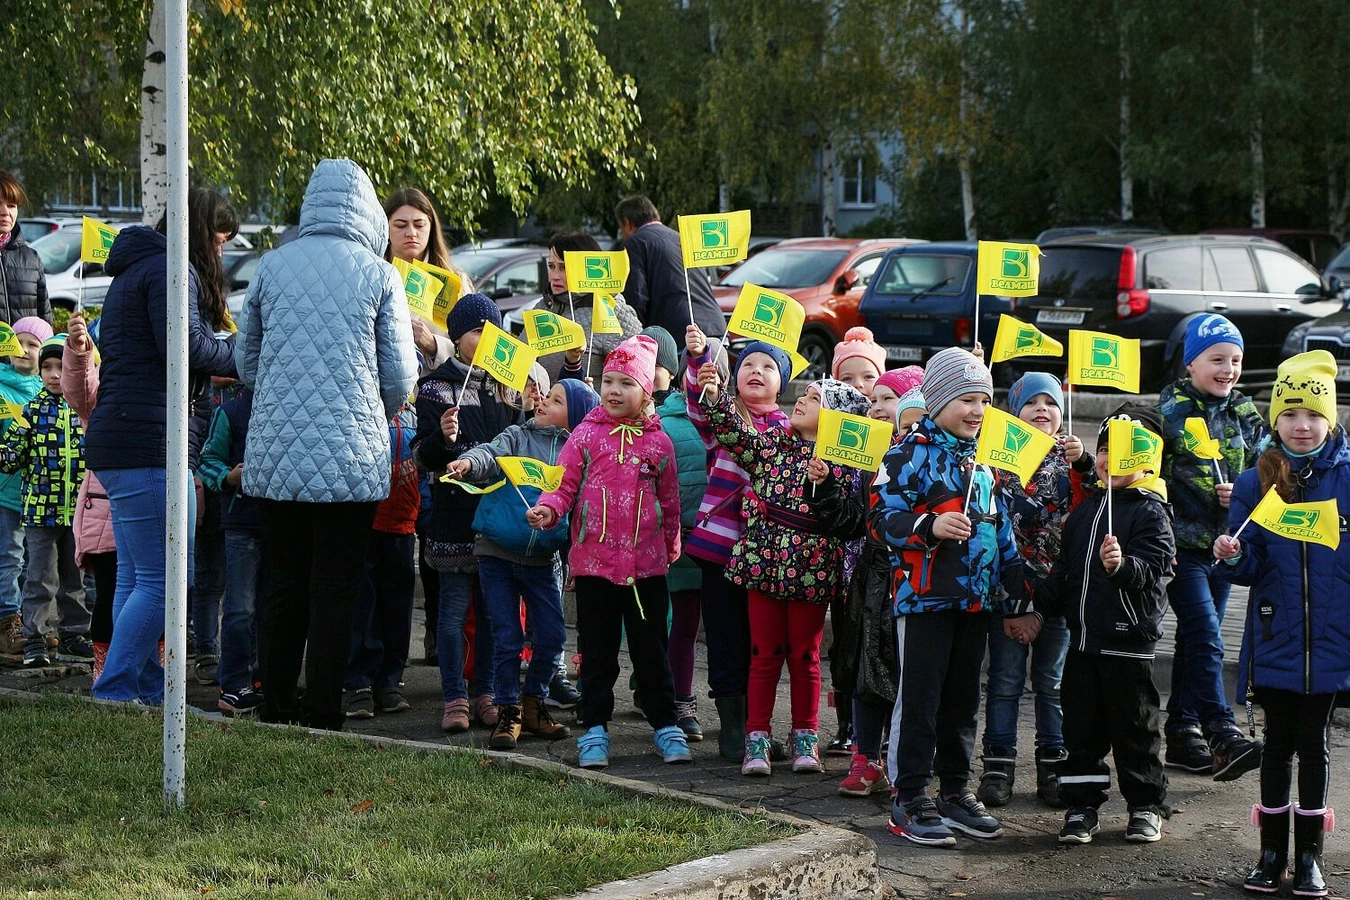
580,401
780,359
1204,332
470,312
911,399
1031,384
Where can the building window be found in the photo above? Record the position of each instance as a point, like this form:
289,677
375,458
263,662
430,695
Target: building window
860,181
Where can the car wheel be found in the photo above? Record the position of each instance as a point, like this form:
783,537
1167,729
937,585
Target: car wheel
817,349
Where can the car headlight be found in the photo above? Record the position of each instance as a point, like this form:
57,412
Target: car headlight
1293,343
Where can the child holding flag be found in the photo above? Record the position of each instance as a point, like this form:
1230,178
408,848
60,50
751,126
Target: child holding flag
952,555
515,561
790,567
1295,650
1202,735
1039,509
1111,586
621,486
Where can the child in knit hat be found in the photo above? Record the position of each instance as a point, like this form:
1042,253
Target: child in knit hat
621,487
858,360
791,569
953,558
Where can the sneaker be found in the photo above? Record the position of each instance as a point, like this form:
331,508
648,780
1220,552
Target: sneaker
968,816
919,821
455,716
756,761
672,745
864,777
1145,826
687,718
593,748
35,654
485,710
391,701
1187,750
805,751
239,703
75,648
1080,824
1234,755
205,669
562,694
360,704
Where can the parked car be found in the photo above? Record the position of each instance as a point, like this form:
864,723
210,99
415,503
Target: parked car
827,276
1339,267
758,244
34,228
1330,333
1063,231
922,300
240,267
513,276
1150,287
59,252
1317,247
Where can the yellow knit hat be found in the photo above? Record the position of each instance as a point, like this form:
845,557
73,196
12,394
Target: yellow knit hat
1306,381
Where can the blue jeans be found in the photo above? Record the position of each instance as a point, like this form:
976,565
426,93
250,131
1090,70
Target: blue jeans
1007,678
11,560
208,588
504,584
245,582
458,590
382,622
1199,598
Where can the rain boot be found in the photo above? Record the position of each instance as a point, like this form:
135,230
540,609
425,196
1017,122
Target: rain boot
1268,873
1310,825
731,736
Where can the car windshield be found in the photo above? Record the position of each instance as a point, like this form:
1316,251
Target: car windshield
479,262
1341,260
58,250
909,273
1079,273
786,268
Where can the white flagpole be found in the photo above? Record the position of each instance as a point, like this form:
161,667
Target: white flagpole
1070,409
465,385
176,507
689,297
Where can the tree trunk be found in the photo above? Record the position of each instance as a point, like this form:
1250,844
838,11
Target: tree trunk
967,150
1256,137
829,190
154,164
1126,176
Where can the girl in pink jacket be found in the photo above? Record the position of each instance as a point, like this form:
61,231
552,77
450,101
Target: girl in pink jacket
622,490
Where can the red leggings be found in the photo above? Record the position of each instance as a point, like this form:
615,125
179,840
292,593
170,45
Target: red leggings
782,629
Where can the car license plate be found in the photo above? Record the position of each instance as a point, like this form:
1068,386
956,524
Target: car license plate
1059,317
1343,373
904,354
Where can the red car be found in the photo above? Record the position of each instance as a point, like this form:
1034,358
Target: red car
825,275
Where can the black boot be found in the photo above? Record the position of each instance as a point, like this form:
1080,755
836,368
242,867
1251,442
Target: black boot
1268,873
996,781
1309,827
731,735
1047,775
842,745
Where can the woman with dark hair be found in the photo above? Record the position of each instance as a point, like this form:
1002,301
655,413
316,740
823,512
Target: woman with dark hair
556,299
415,234
125,441
23,287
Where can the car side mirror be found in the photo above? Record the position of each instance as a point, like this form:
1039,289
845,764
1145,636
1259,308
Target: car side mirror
1313,291
500,293
1334,285
846,282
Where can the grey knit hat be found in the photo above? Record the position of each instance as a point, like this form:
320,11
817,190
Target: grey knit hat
842,397
952,373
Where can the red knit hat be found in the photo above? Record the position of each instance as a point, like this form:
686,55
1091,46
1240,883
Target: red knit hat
858,342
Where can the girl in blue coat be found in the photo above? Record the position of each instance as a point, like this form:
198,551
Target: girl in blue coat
1295,646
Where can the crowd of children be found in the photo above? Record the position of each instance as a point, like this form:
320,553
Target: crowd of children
688,498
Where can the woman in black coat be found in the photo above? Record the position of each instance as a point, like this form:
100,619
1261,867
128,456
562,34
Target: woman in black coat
23,286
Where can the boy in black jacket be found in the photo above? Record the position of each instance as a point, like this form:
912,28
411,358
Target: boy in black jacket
1113,590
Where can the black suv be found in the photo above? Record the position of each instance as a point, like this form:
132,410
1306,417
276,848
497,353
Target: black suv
1150,286
1331,333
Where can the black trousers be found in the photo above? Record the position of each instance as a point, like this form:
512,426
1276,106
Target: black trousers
605,612
726,629
1295,723
431,597
382,619
938,700
1111,706
317,554
104,567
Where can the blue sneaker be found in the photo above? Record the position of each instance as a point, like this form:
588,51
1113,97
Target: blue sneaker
672,744
593,748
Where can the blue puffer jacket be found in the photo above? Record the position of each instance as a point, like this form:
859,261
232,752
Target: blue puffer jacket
326,344
127,428
1297,634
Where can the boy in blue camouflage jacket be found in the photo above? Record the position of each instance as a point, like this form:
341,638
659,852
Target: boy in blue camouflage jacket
953,558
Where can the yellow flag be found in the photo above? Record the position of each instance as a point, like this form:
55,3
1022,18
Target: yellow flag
96,239
1010,270
471,488
13,411
422,290
717,239
1132,448
1008,443
1318,522
1017,338
1153,483
448,296
604,318
1198,441
852,440
503,357
799,363
549,332
1104,359
9,342
525,472
768,316
596,271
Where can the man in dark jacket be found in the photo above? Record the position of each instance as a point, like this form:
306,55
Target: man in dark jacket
23,287
656,279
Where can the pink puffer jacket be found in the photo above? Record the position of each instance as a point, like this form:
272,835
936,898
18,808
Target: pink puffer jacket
623,490
93,516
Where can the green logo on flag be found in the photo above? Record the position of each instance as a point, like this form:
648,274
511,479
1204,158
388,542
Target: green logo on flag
853,435
106,238
1015,437
415,284
769,310
504,352
1299,518
1142,442
597,268
532,470
1105,353
547,326
1027,339
1192,442
714,233
1016,263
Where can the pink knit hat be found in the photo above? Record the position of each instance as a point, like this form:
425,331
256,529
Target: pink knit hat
858,342
38,328
902,381
636,358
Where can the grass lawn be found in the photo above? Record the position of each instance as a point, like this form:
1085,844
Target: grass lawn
288,815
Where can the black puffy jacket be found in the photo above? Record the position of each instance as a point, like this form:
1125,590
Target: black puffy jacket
23,286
